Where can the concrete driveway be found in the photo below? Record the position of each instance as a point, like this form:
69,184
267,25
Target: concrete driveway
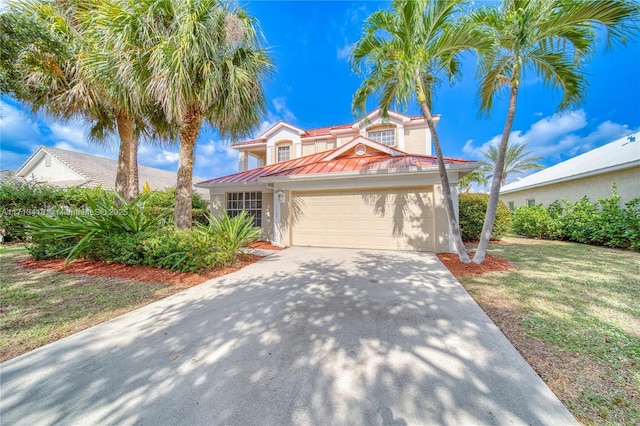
305,336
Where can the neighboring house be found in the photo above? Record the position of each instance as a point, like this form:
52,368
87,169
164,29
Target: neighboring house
592,174
372,184
62,168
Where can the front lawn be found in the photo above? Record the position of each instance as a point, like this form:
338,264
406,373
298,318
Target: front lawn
38,307
573,311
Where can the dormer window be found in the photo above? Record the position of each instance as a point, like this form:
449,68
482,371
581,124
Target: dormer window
385,137
284,153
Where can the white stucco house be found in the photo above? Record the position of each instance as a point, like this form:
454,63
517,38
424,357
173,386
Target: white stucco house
64,169
371,184
592,174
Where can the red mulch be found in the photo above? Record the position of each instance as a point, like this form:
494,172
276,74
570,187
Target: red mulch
459,269
263,245
137,273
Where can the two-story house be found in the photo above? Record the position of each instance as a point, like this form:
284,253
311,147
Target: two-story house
372,184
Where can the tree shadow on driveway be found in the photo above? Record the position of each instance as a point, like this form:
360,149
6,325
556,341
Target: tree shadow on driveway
305,336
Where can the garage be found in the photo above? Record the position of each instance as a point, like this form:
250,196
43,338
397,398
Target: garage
390,219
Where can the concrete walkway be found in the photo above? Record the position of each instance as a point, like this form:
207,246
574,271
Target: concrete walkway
305,336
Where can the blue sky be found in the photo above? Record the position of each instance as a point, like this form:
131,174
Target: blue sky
310,43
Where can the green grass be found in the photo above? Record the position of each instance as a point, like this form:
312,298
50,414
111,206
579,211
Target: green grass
38,307
583,304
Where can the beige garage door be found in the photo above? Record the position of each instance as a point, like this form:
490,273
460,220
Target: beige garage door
395,219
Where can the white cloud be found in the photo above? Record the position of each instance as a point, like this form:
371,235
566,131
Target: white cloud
16,125
280,104
344,52
557,137
545,137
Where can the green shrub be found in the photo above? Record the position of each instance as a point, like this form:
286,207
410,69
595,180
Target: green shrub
232,233
17,199
81,232
163,202
535,222
473,208
580,221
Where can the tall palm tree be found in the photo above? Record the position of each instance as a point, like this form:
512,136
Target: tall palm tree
198,60
403,54
551,39
54,79
516,160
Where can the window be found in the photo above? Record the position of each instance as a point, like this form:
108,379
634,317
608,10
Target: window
531,202
512,206
284,153
249,201
385,137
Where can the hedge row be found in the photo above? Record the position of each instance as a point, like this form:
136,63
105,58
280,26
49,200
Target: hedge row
602,223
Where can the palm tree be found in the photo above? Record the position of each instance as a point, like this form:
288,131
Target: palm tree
551,38
403,54
54,79
516,160
198,60
476,176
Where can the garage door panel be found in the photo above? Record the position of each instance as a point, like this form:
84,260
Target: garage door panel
379,219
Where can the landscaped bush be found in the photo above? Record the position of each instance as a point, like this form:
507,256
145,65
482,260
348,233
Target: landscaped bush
18,199
79,233
114,230
164,200
601,223
472,212
232,233
536,222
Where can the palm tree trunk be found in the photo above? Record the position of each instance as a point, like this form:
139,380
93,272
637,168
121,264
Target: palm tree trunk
125,131
134,184
446,188
494,194
188,134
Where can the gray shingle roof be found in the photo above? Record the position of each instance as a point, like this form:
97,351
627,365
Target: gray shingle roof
619,154
100,171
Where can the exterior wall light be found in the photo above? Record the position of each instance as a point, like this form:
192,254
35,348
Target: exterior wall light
281,196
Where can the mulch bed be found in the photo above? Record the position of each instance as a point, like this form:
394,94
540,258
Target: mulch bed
137,273
459,269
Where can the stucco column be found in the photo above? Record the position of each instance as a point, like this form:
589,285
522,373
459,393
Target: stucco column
276,217
456,210
243,161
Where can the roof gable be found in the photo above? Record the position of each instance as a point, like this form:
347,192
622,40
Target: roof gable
354,147
278,126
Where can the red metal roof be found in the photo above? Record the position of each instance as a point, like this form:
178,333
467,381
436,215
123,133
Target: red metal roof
372,161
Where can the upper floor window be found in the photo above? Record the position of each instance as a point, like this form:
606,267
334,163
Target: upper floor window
284,153
512,206
385,137
531,202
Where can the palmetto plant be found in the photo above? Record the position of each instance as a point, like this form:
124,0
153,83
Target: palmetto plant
78,232
232,233
551,39
403,54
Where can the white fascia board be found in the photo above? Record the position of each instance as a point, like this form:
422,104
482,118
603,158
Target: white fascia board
31,162
278,126
217,188
575,177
